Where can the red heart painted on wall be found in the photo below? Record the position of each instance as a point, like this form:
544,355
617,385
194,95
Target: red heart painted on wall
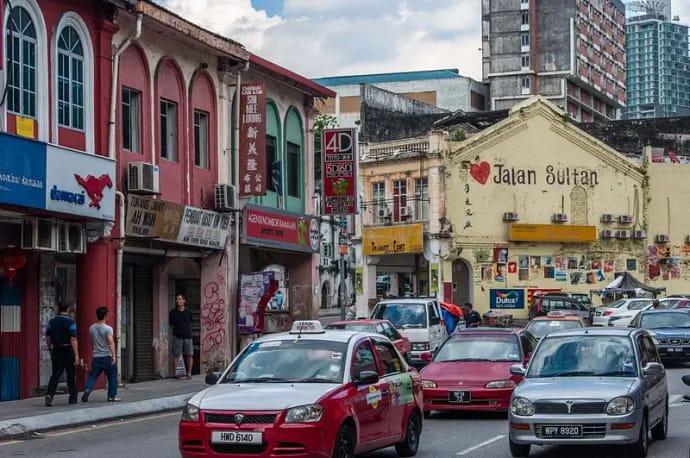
480,172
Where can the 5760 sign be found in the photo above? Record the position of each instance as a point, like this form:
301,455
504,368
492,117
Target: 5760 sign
339,153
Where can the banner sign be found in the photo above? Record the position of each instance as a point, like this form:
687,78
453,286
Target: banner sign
204,228
252,160
507,298
252,288
281,229
408,238
339,166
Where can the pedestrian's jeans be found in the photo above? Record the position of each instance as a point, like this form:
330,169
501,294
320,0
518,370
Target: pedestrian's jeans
103,364
63,360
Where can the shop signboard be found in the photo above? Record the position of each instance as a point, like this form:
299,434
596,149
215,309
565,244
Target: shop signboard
22,172
508,298
339,166
407,238
280,229
204,228
253,286
552,233
252,145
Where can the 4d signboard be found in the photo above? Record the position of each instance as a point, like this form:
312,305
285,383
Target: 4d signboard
339,171
507,298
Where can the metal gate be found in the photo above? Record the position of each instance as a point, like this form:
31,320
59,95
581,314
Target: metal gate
142,324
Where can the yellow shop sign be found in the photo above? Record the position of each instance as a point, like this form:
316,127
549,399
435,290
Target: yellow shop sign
408,238
552,233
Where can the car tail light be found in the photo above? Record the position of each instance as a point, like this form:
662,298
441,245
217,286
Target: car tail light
607,312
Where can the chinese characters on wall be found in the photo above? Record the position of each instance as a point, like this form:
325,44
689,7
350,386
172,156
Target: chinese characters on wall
252,160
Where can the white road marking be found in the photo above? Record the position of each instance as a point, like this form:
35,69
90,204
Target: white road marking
483,444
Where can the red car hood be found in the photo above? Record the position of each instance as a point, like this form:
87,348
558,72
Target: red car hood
469,373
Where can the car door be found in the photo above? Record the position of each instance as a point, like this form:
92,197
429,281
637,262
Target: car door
372,402
435,327
655,384
399,382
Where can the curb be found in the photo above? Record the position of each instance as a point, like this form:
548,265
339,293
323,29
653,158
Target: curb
25,428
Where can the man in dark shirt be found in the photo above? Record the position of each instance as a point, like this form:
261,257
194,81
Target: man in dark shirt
180,322
472,317
61,340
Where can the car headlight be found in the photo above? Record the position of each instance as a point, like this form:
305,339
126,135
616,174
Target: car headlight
522,407
501,384
304,414
429,384
622,405
190,412
655,341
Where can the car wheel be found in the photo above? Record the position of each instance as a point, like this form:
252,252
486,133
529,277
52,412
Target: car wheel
519,450
641,447
344,443
410,443
660,431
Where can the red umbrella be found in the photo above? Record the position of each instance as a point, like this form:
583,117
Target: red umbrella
453,309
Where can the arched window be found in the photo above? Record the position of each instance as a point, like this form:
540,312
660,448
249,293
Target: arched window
70,79
294,161
20,56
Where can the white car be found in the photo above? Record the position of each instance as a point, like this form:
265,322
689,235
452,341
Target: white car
623,318
604,313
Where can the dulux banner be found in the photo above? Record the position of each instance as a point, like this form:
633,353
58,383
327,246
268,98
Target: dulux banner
49,177
507,298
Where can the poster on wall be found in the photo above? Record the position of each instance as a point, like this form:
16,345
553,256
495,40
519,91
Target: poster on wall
339,166
279,301
434,278
500,255
252,144
252,287
359,280
507,298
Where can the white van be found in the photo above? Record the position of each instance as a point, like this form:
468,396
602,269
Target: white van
417,318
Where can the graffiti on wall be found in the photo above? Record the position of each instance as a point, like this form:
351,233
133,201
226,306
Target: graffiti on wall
213,317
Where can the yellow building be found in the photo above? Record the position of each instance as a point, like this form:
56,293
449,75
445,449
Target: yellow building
536,204
401,230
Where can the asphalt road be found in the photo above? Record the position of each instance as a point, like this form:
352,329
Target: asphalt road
469,435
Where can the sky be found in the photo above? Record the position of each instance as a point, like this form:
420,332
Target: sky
317,38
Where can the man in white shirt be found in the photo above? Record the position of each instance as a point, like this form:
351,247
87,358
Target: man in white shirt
104,357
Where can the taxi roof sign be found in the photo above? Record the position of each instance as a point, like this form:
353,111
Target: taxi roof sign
307,327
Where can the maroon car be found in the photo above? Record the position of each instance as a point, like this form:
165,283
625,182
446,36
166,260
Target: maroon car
383,327
471,370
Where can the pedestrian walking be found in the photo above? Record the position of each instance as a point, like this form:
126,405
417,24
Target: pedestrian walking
180,322
104,357
61,340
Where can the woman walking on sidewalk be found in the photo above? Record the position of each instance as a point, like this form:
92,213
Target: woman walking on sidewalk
104,357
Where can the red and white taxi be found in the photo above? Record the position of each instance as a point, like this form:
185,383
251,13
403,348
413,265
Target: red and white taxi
307,393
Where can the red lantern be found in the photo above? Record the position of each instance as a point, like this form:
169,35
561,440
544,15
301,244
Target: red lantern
11,259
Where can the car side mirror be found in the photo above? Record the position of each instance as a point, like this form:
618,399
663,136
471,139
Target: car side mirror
367,378
427,356
212,377
518,369
653,369
686,379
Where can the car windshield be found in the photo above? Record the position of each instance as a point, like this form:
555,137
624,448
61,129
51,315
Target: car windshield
665,320
583,355
412,315
365,327
480,347
669,304
615,305
639,305
294,361
539,328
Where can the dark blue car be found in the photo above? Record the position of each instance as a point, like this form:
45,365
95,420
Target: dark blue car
670,330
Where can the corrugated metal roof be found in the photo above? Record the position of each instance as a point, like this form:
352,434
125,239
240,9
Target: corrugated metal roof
389,77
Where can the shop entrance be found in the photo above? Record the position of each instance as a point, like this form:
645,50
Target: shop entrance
462,282
137,322
191,288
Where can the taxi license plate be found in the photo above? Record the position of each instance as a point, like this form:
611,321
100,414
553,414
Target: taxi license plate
561,431
459,397
236,437
675,350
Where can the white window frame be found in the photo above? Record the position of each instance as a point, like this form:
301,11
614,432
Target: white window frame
378,199
421,196
201,138
401,200
73,81
25,110
133,107
525,85
170,117
525,61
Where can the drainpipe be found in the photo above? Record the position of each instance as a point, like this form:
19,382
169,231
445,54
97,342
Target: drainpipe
113,86
236,229
118,300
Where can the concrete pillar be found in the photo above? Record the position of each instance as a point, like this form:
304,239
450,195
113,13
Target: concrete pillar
369,287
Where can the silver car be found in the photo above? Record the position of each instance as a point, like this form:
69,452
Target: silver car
590,386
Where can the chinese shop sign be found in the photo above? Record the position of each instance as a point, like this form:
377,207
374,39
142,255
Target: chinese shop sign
252,160
339,171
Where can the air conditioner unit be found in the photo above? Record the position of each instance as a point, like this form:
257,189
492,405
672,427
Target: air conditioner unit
608,218
559,218
142,177
510,216
405,212
639,234
625,219
39,234
661,238
225,197
383,212
623,234
71,238
608,234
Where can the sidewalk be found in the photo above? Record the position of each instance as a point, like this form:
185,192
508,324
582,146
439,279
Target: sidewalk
25,418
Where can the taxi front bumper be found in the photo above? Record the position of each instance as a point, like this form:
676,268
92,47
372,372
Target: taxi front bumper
480,399
294,440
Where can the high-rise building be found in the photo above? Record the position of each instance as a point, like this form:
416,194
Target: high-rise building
658,67
569,51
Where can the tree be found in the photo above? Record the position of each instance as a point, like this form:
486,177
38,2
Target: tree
321,122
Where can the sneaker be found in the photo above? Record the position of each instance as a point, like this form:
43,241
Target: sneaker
115,399
85,397
189,377
49,401
72,401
